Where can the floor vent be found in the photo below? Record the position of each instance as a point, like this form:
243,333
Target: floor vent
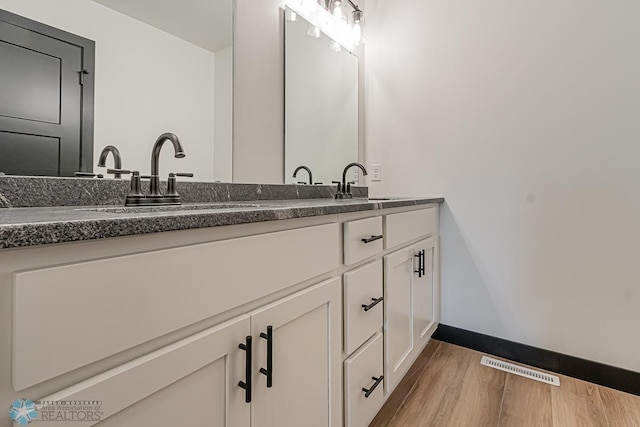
519,370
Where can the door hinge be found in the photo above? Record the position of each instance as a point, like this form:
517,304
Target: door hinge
82,74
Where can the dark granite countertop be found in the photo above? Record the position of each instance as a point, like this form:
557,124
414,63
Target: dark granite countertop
33,226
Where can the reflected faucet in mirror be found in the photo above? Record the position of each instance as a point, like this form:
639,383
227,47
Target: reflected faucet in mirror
295,173
117,160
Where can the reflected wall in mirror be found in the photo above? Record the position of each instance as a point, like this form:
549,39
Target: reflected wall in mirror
160,66
321,104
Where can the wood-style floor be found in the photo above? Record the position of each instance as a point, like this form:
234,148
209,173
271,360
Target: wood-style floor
447,386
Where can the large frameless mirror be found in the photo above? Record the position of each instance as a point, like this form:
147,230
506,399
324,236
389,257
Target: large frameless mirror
160,66
321,103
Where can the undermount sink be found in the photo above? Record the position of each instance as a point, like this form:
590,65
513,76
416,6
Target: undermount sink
375,199
173,208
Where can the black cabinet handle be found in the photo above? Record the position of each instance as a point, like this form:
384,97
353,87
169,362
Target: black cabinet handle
269,371
367,392
421,258
372,239
375,302
424,251
246,384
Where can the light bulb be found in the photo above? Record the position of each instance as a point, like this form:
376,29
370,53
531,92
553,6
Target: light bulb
313,31
357,34
337,9
334,46
357,31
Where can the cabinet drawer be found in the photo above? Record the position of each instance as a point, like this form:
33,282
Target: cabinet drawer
109,305
362,239
362,286
406,226
359,373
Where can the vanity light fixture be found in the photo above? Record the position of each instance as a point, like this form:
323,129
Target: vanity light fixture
337,9
358,28
329,17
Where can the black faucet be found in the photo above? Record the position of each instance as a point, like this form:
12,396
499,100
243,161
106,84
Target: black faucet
154,184
155,197
117,160
308,171
344,188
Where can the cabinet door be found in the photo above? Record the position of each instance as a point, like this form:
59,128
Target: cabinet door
410,306
306,358
424,301
193,382
398,315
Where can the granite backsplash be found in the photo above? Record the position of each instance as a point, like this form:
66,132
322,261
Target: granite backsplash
22,191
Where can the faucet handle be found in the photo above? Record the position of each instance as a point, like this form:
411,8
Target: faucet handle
171,184
118,171
135,192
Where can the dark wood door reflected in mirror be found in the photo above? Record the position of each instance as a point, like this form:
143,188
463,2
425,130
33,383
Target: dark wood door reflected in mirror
46,99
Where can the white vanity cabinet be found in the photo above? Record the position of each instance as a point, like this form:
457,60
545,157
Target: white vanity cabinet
297,383
395,277
410,307
192,382
411,289
319,317
196,381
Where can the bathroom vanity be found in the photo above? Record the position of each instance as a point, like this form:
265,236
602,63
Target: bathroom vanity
262,313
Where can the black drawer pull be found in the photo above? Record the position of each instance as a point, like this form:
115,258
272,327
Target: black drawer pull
367,392
375,302
372,239
421,258
269,371
246,384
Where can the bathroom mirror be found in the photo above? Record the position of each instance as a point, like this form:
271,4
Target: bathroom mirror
321,104
160,66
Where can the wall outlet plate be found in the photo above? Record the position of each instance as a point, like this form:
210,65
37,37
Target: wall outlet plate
376,172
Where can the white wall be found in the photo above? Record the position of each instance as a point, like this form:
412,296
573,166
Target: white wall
223,124
525,117
147,82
